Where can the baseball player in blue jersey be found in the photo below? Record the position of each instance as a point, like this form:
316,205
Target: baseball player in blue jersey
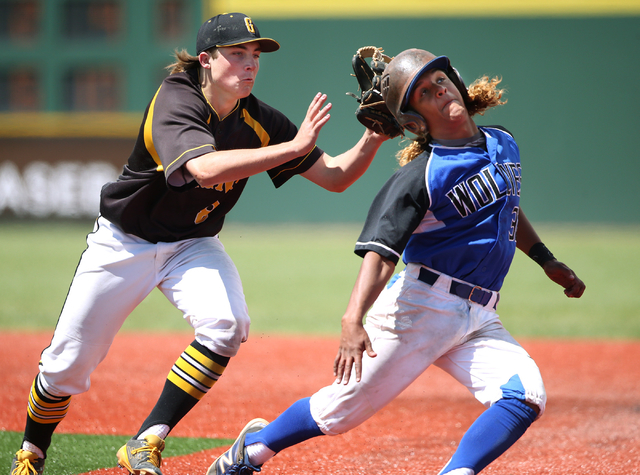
202,135
452,213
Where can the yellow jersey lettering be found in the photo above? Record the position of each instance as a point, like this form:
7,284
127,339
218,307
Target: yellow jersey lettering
202,216
223,187
226,187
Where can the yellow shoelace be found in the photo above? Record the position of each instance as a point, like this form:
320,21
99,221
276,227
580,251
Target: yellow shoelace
24,467
155,456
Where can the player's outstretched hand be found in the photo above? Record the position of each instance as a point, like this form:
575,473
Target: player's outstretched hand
562,275
353,342
317,116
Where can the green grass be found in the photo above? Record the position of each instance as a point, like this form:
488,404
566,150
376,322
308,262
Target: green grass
71,454
606,258
298,278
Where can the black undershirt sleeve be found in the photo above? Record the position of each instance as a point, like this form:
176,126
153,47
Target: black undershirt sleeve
396,212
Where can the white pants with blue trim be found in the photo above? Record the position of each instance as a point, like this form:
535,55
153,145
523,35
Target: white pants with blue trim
413,325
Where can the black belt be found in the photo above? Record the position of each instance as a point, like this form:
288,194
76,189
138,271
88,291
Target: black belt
468,292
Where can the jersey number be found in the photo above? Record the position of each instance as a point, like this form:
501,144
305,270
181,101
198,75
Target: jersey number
204,214
514,223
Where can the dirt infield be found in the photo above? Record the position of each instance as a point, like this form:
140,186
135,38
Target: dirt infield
592,423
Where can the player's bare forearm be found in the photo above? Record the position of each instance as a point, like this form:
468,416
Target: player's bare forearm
340,172
526,236
375,272
557,271
230,165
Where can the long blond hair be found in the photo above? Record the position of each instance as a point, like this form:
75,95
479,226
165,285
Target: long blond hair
483,95
184,61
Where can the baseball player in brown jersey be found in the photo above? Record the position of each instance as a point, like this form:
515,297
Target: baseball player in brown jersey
202,135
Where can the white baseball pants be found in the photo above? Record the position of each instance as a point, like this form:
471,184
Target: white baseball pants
115,274
413,325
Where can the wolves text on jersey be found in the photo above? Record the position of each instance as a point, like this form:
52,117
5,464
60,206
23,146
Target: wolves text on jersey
482,188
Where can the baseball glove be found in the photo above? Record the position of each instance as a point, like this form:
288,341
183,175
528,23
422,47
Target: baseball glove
372,111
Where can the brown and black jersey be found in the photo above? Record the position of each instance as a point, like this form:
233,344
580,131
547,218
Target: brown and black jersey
154,198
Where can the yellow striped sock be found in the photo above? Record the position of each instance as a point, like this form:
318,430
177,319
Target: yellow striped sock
45,408
194,372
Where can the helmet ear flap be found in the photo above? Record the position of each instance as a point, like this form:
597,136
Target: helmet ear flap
456,79
410,120
413,122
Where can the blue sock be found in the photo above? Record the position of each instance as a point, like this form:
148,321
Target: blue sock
497,429
293,426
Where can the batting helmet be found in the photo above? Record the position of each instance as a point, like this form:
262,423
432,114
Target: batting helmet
400,77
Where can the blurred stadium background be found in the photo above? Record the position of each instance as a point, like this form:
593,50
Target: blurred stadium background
75,76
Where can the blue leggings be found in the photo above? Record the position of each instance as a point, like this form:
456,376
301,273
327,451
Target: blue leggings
497,429
293,426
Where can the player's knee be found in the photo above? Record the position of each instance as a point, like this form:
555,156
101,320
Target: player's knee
222,334
537,400
529,390
534,407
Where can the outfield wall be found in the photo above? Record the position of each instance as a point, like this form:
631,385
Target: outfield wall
572,107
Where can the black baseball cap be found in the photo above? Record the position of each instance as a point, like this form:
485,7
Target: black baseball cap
230,29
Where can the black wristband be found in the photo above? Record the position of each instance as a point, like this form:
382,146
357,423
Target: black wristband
540,254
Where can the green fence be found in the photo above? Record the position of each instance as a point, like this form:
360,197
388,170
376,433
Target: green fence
572,105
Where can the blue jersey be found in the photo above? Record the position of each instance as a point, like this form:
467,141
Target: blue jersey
453,209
